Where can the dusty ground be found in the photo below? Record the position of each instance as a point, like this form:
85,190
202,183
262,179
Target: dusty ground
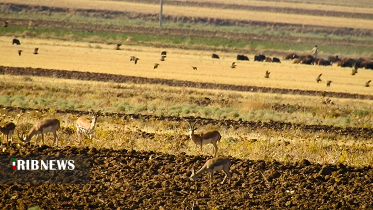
145,180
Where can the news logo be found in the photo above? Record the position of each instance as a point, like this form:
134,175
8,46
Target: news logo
42,169
54,164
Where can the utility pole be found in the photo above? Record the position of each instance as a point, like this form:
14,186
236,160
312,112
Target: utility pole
160,14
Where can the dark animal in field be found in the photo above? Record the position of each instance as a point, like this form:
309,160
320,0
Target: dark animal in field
215,56
36,50
307,61
117,47
322,62
8,130
290,56
19,52
268,59
267,74
194,67
259,57
363,64
162,58
318,79
308,57
334,59
242,58
328,83
156,65
233,65
347,62
5,24
369,65
164,53
367,83
276,60
16,41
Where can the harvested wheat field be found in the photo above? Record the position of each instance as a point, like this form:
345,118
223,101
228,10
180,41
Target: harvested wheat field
297,136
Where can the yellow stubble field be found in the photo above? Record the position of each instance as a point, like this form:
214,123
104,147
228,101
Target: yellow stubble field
102,58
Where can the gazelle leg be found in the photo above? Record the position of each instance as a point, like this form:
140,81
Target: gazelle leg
55,138
227,174
37,139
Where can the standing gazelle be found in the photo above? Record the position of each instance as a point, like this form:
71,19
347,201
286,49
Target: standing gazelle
8,130
86,126
42,127
212,165
210,137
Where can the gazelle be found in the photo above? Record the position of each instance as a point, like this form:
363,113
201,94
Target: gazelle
8,130
42,127
210,137
86,126
212,165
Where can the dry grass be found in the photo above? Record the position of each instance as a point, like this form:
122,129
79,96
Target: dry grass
178,65
172,137
208,12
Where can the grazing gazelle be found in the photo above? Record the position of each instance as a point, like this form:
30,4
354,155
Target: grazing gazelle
210,137
42,127
8,130
86,126
212,165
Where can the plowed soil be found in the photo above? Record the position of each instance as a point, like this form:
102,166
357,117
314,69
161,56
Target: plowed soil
146,180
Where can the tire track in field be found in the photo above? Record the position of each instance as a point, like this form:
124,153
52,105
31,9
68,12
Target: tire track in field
103,77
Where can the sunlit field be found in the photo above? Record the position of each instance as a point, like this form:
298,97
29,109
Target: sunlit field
178,64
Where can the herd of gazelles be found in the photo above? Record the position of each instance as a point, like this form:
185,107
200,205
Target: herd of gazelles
86,127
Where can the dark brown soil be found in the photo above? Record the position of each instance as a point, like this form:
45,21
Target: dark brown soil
147,180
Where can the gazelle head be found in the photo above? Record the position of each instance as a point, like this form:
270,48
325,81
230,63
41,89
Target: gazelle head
94,117
194,176
192,127
22,136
